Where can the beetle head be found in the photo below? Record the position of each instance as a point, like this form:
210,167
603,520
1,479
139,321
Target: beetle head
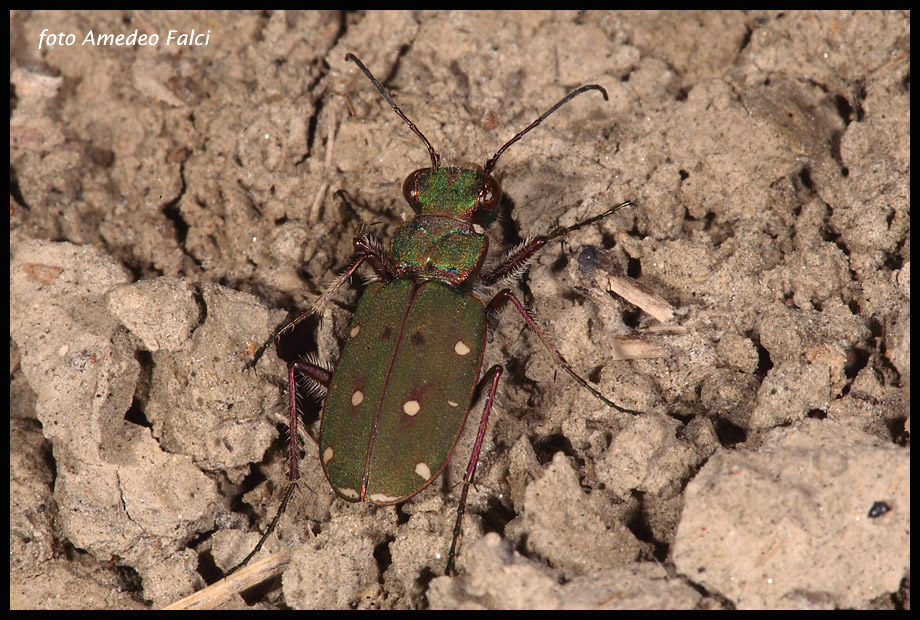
466,193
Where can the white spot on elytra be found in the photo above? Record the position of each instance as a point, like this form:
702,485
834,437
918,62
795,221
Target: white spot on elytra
328,453
355,330
380,498
453,404
460,348
423,470
348,493
357,398
411,407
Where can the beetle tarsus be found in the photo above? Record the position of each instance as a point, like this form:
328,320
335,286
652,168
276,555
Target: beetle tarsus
271,528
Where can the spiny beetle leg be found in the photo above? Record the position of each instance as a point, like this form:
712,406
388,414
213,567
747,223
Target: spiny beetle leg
323,377
504,297
564,230
377,257
277,334
492,375
369,249
518,259
315,373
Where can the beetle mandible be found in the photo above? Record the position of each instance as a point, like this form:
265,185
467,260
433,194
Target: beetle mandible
409,372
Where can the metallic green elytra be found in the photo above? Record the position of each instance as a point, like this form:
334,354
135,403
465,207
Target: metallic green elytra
401,390
409,370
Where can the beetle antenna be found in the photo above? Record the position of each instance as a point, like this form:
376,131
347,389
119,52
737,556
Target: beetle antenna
435,158
491,163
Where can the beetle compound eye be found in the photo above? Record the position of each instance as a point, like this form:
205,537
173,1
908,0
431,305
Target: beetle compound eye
484,199
490,196
410,189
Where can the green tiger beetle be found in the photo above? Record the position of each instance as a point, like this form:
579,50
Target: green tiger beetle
409,371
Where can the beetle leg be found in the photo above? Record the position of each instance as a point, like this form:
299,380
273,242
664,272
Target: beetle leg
377,257
289,492
517,260
504,297
369,249
315,373
323,377
492,375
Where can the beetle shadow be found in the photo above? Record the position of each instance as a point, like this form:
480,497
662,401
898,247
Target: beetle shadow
510,235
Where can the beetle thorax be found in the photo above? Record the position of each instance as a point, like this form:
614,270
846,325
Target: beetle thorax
440,248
